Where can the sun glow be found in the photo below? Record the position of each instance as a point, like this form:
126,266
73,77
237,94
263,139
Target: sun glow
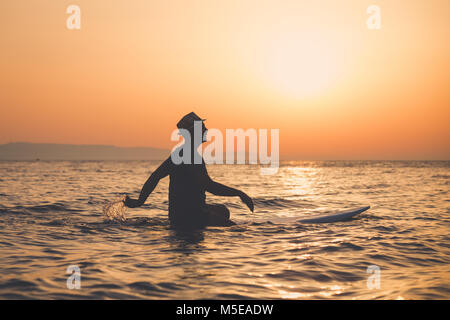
300,65
334,88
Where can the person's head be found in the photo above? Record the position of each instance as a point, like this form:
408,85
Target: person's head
188,123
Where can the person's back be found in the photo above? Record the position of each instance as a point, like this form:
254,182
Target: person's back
187,194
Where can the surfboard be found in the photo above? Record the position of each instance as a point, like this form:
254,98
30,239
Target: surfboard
335,216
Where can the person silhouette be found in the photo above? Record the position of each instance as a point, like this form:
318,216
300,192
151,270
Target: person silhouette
188,183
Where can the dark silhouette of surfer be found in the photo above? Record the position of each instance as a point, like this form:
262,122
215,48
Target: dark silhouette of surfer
188,183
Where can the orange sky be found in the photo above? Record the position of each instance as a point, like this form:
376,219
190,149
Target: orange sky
312,69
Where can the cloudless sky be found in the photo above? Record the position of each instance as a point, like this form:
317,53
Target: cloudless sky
334,88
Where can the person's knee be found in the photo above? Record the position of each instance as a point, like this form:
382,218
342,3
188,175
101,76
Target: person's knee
218,214
223,210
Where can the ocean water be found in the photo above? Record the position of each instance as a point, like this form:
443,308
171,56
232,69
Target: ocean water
51,218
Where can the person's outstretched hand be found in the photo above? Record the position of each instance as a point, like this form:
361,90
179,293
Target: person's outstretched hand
131,203
247,200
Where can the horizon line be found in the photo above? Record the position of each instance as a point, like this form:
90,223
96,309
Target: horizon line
282,158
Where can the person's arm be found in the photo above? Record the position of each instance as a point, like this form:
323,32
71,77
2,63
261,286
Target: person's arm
149,185
219,189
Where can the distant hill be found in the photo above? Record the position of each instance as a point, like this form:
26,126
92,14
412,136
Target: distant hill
53,151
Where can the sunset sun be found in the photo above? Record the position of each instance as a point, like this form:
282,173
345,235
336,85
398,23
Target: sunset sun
300,65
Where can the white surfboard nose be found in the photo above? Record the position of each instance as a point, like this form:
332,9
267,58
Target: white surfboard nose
334,217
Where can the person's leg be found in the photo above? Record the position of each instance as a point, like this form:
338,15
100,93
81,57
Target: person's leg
218,215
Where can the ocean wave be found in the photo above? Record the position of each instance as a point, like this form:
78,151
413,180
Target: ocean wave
279,203
440,176
46,208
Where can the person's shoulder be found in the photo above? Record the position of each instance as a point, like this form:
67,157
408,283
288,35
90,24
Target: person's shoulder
203,165
168,163
169,158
